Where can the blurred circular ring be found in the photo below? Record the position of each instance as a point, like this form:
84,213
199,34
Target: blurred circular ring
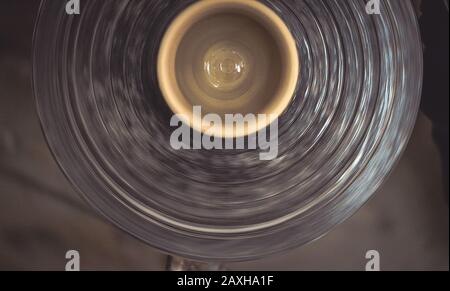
107,124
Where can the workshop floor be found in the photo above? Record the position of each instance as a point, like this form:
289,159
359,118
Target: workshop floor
41,217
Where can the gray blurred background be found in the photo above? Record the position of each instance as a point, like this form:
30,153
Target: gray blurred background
41,217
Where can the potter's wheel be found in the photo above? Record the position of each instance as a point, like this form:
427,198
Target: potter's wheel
107,124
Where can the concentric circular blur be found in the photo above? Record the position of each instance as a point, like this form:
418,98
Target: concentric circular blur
108,125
